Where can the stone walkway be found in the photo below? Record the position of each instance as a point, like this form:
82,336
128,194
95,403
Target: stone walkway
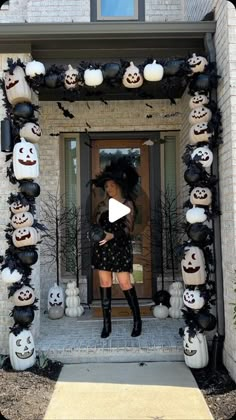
77,340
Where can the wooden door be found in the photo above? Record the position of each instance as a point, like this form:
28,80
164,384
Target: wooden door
102,151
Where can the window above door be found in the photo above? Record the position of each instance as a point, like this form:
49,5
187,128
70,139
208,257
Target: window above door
117,10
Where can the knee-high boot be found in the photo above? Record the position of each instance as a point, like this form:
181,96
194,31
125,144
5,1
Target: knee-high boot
134,306
106,309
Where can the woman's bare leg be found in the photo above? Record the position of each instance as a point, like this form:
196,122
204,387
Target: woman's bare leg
105,278
124,280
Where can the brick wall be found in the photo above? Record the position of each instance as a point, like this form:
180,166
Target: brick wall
197,9
79,11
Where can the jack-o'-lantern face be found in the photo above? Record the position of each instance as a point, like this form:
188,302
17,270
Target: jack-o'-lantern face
199,115
20,220
24,296
193,299
31,132
25,348
195,350
55,298
132,77
200,133
201,196
17,89
18,207
198,100
71,78
203,155
25,237
197,63
25,160
11,80
193,266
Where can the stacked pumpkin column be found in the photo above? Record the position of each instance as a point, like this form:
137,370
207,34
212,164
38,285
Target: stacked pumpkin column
197,260
23,231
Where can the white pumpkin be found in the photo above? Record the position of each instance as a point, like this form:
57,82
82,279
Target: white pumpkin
71,289
34,68
18,207
26,236
9,276
193,299
193,266
71,78
160,311
195,350
153,72
93,77
132,77
17,88
198,100
80,310
200,133
55,312
25,160
23,296
31,132
55,296
20,220
21,350
176,302
175,313
203,155
197,63
200,114
196,215
72,312
176,289
72,301
201,196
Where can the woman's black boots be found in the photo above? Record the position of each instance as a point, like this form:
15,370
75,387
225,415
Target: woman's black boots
134,306
106,309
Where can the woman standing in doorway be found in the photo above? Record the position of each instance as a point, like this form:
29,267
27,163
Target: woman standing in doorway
114,253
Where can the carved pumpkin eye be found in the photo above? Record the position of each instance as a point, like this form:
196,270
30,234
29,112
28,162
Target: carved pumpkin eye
18,342
28,340
21,150
194,256
51,295
31,150
58,295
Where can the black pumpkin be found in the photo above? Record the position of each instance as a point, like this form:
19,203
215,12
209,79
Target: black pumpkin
97,233
192,174
172,67
32,189
163,297
51,80
23,110
110,70
198,232
6,137
28,257
23,315
205,320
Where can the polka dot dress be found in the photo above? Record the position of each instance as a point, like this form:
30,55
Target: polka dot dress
115,255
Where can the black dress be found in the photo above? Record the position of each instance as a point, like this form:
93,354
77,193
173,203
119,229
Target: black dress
115,255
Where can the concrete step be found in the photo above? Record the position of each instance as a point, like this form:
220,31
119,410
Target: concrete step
77,340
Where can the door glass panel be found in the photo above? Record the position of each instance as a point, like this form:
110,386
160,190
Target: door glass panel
106,155
117,8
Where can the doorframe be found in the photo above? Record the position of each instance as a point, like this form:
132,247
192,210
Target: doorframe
155,188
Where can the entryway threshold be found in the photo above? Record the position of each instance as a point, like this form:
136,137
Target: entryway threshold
72,340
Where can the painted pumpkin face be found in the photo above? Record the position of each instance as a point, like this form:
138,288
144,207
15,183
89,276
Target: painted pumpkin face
203,155
200,133
192,299
71,78
25,160
199,115
18,207
25,237
197,63
24,296
55,296
196,215
195,350
17,89
132,77
21,220
201,196
22,351
31,132
198,100
193,266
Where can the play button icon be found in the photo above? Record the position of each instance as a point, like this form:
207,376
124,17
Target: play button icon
117,210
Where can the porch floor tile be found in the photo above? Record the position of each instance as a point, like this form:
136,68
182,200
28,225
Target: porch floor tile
77,340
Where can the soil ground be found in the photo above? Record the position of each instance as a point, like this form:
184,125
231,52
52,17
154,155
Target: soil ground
25,395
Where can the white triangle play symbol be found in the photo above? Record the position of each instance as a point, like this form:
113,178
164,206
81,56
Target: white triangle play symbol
117,210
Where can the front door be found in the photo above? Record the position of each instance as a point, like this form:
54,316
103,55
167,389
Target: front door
102,152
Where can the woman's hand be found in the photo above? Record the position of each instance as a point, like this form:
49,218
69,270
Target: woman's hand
107,238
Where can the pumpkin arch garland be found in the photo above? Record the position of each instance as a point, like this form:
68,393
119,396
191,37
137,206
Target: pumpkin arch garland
203,137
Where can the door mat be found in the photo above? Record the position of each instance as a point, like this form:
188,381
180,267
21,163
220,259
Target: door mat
122,312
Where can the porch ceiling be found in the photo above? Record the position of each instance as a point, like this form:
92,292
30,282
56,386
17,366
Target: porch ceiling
64,43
